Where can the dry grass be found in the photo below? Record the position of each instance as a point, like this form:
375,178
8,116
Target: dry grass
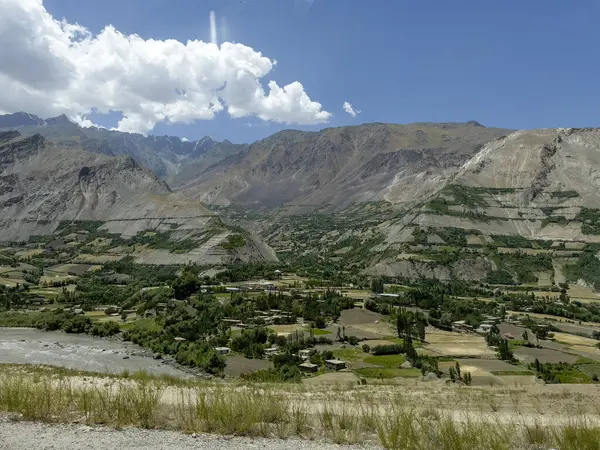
415,415
449,343
572,339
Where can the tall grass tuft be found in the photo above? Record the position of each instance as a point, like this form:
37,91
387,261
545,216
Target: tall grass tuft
401,422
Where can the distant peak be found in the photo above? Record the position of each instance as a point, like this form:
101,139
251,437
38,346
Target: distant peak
474,123
19,119
62,119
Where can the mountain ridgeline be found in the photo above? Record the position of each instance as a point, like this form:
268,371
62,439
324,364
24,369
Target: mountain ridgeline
304,171
164,155
432,200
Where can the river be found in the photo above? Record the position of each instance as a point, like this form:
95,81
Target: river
78,352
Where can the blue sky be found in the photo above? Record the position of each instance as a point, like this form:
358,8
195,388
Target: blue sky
514,64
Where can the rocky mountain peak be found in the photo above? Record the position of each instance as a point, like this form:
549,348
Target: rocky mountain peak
20,119
58,120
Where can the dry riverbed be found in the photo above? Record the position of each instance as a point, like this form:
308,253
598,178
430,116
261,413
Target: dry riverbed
79,352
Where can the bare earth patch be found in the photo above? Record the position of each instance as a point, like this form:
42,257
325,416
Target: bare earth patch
449,343
357,316
544,355
343,378
238,364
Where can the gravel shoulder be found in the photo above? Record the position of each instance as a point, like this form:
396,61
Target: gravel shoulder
33,436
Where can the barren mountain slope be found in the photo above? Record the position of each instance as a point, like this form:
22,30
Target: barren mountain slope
397,163
43,183
533,192
542,184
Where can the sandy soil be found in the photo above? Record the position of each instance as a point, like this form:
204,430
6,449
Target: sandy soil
28,436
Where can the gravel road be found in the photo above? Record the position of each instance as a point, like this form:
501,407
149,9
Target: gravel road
37,436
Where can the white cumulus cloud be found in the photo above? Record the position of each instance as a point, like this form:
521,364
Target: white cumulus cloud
49,67
350,110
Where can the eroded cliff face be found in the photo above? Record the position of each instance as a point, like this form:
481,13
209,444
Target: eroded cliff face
42,184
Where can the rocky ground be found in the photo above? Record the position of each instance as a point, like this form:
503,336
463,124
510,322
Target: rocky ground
32,436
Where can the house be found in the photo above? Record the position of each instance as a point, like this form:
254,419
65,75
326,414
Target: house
484,328
386,295
223,350
461,325
304,354
272,351
309,367
231,322
335,364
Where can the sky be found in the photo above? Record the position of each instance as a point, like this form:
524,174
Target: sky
155,66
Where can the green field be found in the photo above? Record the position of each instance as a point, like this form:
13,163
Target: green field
373,372
319,332
388,361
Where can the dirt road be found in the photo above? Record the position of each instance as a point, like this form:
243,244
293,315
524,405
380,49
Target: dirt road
34,436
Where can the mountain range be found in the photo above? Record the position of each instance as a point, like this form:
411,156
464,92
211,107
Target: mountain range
385,184
164,155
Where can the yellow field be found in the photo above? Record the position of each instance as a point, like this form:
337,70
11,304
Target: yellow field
24,254
582,293
343,378
449,343
97,259
376,342
55,279
11,282
527,251
550,317
572,339
355,293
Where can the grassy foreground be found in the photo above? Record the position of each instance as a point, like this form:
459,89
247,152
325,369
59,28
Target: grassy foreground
340,414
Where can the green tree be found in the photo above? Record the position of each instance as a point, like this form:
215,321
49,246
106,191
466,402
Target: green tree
377,285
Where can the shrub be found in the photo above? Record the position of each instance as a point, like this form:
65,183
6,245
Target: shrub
111,310
352,340
392,349
105,329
